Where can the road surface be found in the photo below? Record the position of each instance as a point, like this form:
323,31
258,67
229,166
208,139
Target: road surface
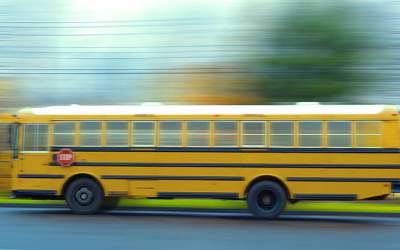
33,228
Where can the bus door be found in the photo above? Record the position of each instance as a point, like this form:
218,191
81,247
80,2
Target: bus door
33,156
8,139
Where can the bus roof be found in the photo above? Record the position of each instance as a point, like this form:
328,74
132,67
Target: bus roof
213,110
6,118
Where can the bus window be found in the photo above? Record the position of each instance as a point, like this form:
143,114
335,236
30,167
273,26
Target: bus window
198,133
225,134
170,133
253,134
339,134
90,133
368,134
310,134
143,133
281,134
35,137
117,133
64,134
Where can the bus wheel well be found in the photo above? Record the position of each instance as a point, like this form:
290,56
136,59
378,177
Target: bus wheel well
78,176
268,178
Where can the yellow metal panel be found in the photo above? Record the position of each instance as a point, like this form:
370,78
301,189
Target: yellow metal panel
143,188
184,134
391,135
324,134
37,164
295,134
361,189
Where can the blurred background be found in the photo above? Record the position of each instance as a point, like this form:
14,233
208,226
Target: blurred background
56,52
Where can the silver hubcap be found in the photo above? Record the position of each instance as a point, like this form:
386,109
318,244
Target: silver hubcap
266,200
84,196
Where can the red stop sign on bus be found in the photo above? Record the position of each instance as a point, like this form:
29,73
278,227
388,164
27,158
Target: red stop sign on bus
65,157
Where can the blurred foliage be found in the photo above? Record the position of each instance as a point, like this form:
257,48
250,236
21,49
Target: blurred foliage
215,87
315,50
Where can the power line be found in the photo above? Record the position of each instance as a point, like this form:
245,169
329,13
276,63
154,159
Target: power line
183,19
180,32
141,47
178,68
122,71
103,26
244,45
122,58
127,73
121,52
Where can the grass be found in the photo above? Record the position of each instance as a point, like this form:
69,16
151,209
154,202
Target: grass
358,207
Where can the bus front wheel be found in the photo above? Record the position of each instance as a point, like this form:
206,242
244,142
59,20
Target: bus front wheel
266,199
84,196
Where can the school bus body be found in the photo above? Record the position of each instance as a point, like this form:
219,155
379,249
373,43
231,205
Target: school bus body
306,173
161,174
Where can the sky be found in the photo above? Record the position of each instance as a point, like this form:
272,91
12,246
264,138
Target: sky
87,44
123,51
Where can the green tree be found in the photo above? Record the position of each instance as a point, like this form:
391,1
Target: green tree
316,49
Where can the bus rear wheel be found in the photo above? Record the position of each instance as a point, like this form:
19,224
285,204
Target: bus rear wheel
84,196
266,199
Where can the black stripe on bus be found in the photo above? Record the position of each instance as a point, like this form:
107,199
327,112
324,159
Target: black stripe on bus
339,179
44,176
180,178
225,149
341,197
198,195
231,165
33,193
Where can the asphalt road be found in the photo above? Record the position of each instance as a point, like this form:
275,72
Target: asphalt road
23,228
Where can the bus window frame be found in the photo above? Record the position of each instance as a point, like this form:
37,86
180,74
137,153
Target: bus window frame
106,134
236,134
35,151
101,133
351,134
321,134
293,134
132,134
186,133
381,132
242,134
181,134
74,133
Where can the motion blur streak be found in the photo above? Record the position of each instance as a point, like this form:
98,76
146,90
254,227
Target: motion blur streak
204,52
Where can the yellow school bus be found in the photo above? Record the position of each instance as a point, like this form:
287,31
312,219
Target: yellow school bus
91,156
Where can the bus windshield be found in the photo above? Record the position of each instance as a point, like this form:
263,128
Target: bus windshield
8,137
5,138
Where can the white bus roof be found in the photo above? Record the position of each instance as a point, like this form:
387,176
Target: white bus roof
211,110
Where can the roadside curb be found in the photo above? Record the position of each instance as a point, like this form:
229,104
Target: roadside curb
206,210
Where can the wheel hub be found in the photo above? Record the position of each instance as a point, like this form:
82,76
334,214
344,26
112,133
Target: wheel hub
266,200
84,196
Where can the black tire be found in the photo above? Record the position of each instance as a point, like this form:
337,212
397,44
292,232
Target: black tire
84,196
266,199
110,203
